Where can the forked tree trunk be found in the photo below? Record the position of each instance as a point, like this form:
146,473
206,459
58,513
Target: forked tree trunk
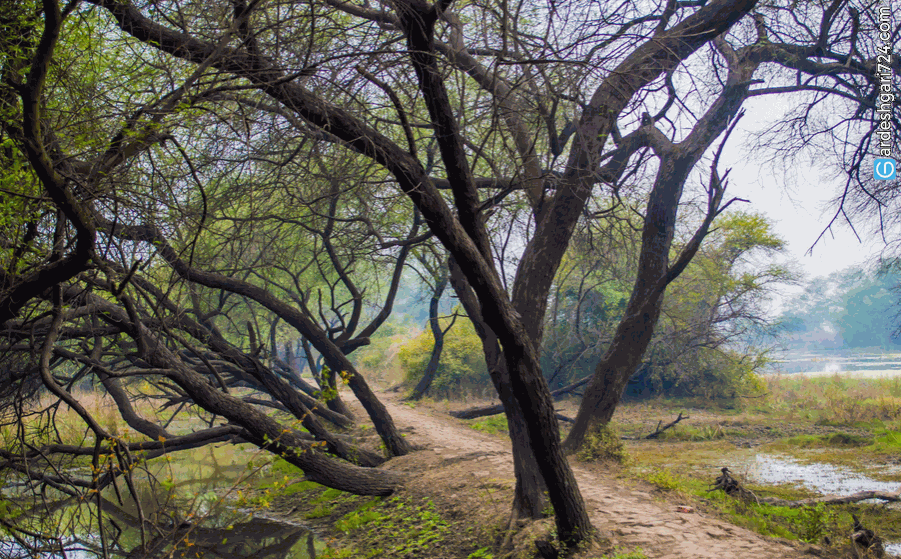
329,384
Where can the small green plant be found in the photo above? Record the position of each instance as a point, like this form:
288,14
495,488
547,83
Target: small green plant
319,512
604,444
813,523
618,553
355,520
482,553
664,479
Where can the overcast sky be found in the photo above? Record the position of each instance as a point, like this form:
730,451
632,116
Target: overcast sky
799,204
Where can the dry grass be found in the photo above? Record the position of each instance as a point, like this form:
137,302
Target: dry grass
837,398
48,420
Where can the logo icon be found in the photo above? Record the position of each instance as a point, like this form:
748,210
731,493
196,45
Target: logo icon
885,169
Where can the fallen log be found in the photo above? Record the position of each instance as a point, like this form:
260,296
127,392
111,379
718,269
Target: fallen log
494,409
732,487
835,499
660,430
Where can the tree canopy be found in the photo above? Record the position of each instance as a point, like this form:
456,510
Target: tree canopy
184,181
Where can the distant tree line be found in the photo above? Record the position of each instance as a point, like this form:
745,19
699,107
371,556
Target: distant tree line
853,308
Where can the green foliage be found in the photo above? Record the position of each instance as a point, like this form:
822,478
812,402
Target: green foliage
602,443
620,554
702,345
813,523
495,424
481,553
360,517
462,367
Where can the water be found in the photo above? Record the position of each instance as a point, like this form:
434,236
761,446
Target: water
826,479
189,507
822,478
878,364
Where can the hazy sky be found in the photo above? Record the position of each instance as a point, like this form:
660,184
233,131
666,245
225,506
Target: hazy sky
797,201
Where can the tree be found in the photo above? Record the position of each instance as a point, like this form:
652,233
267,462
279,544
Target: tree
714,318
542,104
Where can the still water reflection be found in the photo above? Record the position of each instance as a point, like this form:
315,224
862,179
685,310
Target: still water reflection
189,509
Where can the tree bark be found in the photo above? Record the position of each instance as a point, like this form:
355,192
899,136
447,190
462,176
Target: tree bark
336,359
464,237
482,411
529,498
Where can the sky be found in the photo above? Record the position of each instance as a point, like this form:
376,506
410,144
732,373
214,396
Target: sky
800,203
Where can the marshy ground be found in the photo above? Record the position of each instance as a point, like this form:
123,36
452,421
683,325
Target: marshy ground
656,502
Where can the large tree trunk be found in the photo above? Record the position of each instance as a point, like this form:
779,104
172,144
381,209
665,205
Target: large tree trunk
634,332
530,498
611,375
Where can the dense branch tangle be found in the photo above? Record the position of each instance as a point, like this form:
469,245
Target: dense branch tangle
274,163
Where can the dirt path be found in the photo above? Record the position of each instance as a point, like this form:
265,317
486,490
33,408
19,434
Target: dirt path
631,516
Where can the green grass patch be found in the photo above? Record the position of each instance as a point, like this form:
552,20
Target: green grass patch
618,553
495,424
692,433
844,440
320,511
886,441
665,480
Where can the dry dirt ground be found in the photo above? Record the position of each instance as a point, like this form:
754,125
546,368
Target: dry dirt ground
630,514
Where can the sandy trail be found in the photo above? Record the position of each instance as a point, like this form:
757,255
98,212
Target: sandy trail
631,516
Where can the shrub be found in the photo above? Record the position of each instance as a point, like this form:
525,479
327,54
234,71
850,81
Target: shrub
462,367
602,443
813,523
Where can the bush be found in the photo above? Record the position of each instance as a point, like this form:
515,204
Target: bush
602,443
462,367
713,374
813,523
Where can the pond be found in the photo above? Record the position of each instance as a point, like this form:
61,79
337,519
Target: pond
874,364
769,469
191,506
826,479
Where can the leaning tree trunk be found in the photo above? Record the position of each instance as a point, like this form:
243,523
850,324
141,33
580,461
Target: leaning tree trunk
611,375
438,334
333,355
655,272
261,429
530,495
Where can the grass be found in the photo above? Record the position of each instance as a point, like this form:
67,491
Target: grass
839,420
827,441
836,399
494,424
620,554
397,526
692,433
